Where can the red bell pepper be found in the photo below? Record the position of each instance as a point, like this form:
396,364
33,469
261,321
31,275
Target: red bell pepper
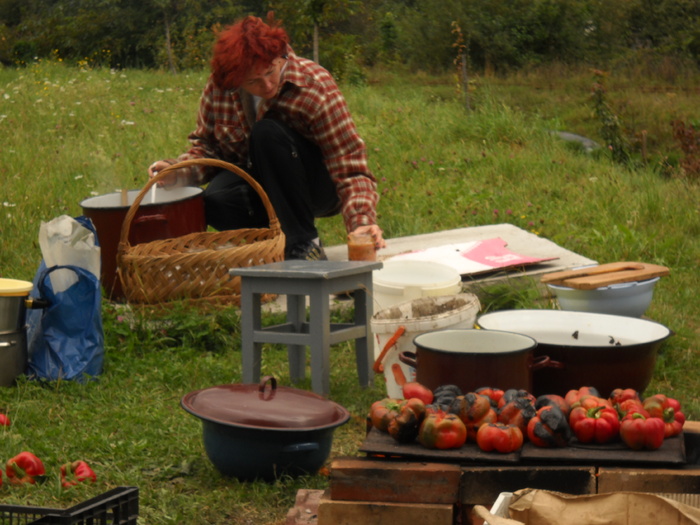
553,400
549,428
622,394
474,410
422,392
442,431
573,395
494,394
598,423
512,394
25,467
383,412
590,401
669,410
5,420
640,432
76,472
443,396
499,437
630,406
519,411
404,427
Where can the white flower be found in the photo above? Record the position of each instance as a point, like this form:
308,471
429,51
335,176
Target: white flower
127,123
8,204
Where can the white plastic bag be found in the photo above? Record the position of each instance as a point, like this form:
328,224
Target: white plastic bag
66,242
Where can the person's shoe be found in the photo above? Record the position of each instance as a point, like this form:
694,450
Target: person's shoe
305,251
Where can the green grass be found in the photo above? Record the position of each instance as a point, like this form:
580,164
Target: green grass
70,134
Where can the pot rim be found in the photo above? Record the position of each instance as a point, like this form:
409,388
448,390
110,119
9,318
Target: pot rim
190,192
616,286
661,332
513,336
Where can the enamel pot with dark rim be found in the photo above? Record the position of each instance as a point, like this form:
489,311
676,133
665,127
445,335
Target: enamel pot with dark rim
472,359
600,350
264,431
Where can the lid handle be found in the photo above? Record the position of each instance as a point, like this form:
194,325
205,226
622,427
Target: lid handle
273,388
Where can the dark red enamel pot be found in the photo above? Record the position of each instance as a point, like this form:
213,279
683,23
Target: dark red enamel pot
472,359
172,213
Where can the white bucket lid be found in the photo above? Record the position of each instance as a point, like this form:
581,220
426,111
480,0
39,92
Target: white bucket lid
414,274
13,287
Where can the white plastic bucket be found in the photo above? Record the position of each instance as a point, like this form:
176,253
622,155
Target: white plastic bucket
400,281
395,328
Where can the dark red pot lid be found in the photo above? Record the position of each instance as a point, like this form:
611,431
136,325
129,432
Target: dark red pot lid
264,406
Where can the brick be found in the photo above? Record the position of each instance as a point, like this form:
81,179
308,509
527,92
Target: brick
482,485
649,480
358,479
331,512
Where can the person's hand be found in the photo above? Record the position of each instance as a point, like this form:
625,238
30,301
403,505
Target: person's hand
159,165
376,233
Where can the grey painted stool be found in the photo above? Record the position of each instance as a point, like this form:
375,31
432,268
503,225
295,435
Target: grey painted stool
318,280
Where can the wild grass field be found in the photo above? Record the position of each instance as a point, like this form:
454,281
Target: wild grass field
71,133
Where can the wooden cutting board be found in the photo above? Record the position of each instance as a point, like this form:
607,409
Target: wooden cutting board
605,275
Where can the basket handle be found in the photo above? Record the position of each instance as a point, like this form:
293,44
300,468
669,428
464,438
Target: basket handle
126,225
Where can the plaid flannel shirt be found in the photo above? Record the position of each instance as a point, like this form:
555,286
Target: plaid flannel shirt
309,102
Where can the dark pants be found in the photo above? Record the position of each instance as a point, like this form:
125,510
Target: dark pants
290,169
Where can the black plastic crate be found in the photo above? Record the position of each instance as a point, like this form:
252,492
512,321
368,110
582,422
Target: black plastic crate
118,506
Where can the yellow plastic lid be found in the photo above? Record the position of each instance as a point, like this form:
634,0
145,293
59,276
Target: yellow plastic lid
14,287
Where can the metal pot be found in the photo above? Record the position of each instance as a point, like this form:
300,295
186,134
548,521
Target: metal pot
172,213
13,356
265,431
599,350
472,359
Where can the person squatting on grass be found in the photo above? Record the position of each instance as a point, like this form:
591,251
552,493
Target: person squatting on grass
282,119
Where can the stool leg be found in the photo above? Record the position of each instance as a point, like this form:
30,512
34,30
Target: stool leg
296,316
251,320
320,337
363,348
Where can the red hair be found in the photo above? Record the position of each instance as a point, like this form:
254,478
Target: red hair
248,43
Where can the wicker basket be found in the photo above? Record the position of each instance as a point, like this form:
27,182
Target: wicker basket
196,265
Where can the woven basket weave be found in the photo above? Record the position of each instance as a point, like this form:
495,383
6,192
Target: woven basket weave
196,265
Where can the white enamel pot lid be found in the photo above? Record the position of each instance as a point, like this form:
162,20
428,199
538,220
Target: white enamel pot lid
569,328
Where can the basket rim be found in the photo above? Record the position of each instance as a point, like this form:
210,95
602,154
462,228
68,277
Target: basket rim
126,224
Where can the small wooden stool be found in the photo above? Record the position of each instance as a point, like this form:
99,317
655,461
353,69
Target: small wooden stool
318,280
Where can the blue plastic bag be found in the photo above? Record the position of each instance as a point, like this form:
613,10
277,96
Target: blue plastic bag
65,340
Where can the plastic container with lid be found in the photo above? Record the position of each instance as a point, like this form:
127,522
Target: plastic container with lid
401,281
